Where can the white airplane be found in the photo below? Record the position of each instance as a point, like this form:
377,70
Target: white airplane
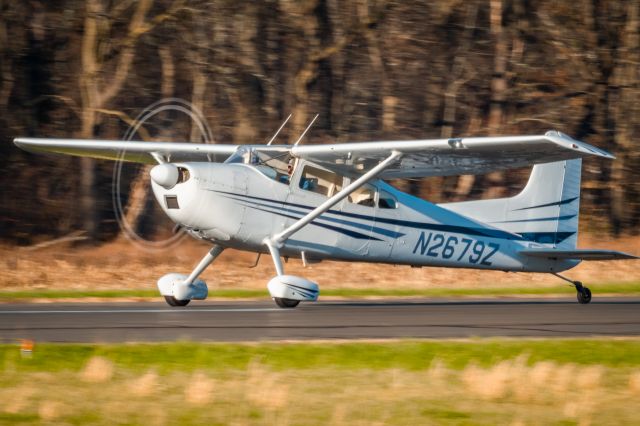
321,202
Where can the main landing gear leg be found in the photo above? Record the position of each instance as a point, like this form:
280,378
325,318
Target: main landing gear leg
583,293
181,294
282,302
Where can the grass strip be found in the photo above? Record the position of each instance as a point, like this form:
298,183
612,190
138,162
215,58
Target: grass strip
400,382
401,354
632,288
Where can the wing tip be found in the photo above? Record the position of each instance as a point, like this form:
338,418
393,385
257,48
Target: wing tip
559,137
26,144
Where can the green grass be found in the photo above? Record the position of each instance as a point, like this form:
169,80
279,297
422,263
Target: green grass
484,381
72,294
632,288
408,355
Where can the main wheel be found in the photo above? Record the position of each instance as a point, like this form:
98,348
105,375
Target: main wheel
172,301
584,295
286,303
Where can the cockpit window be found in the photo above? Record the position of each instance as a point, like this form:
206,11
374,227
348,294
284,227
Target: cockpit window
183,174
275,164
387,201
240,156
320,181
364,196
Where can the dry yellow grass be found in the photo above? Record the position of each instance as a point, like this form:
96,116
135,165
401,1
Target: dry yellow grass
97,370
509,392
494,381
144,385
122,265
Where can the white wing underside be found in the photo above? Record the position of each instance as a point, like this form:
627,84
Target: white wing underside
420,158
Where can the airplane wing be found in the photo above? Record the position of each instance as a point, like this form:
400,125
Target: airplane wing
420,158
588,254
445,157
133,151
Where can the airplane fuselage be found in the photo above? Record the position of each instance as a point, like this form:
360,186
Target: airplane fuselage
240,205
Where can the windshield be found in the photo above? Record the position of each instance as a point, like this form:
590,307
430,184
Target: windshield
241,155
276,165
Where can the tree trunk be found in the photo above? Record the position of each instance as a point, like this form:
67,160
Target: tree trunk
460,74
138,199
495,180
97,91
624,113
466,182
89,92
6,77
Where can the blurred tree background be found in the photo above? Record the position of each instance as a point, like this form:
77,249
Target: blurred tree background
371,69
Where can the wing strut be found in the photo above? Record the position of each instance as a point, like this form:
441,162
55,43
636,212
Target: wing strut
276,241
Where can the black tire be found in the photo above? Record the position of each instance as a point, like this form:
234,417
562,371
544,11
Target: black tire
172,301
286,303
584,295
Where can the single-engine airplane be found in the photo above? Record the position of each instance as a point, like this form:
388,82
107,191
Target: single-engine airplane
318,202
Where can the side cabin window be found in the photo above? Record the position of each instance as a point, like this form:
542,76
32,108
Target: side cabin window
273,173
366,196
387,201
324,182
320,181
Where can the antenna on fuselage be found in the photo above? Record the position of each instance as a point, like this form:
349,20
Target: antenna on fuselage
306,130
278,131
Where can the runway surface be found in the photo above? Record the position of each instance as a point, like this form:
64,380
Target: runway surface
257,321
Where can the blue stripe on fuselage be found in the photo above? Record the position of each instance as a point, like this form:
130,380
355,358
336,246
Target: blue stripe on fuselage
352,234
481,232
364,226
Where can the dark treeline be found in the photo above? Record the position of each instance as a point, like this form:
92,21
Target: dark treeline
371,69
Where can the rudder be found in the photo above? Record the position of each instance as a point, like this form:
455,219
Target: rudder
545,212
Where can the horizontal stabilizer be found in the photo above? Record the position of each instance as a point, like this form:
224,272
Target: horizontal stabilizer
587,254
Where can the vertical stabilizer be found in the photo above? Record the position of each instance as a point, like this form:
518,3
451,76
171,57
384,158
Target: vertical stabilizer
545,212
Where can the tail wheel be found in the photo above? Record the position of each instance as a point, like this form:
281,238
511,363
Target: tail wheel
286,303
584,295
172,301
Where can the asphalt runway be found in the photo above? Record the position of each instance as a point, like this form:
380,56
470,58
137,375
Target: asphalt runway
262,321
